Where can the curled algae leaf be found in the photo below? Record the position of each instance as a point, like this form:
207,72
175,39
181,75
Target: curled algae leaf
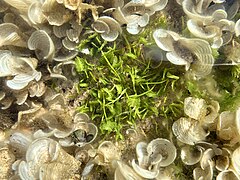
195,54
42,43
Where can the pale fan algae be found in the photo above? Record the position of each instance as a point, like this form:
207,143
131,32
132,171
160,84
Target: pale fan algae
120,89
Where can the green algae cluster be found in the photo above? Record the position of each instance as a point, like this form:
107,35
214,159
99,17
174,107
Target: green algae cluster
122,86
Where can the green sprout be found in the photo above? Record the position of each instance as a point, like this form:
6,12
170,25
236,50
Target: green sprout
215,53
235,71
228,81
